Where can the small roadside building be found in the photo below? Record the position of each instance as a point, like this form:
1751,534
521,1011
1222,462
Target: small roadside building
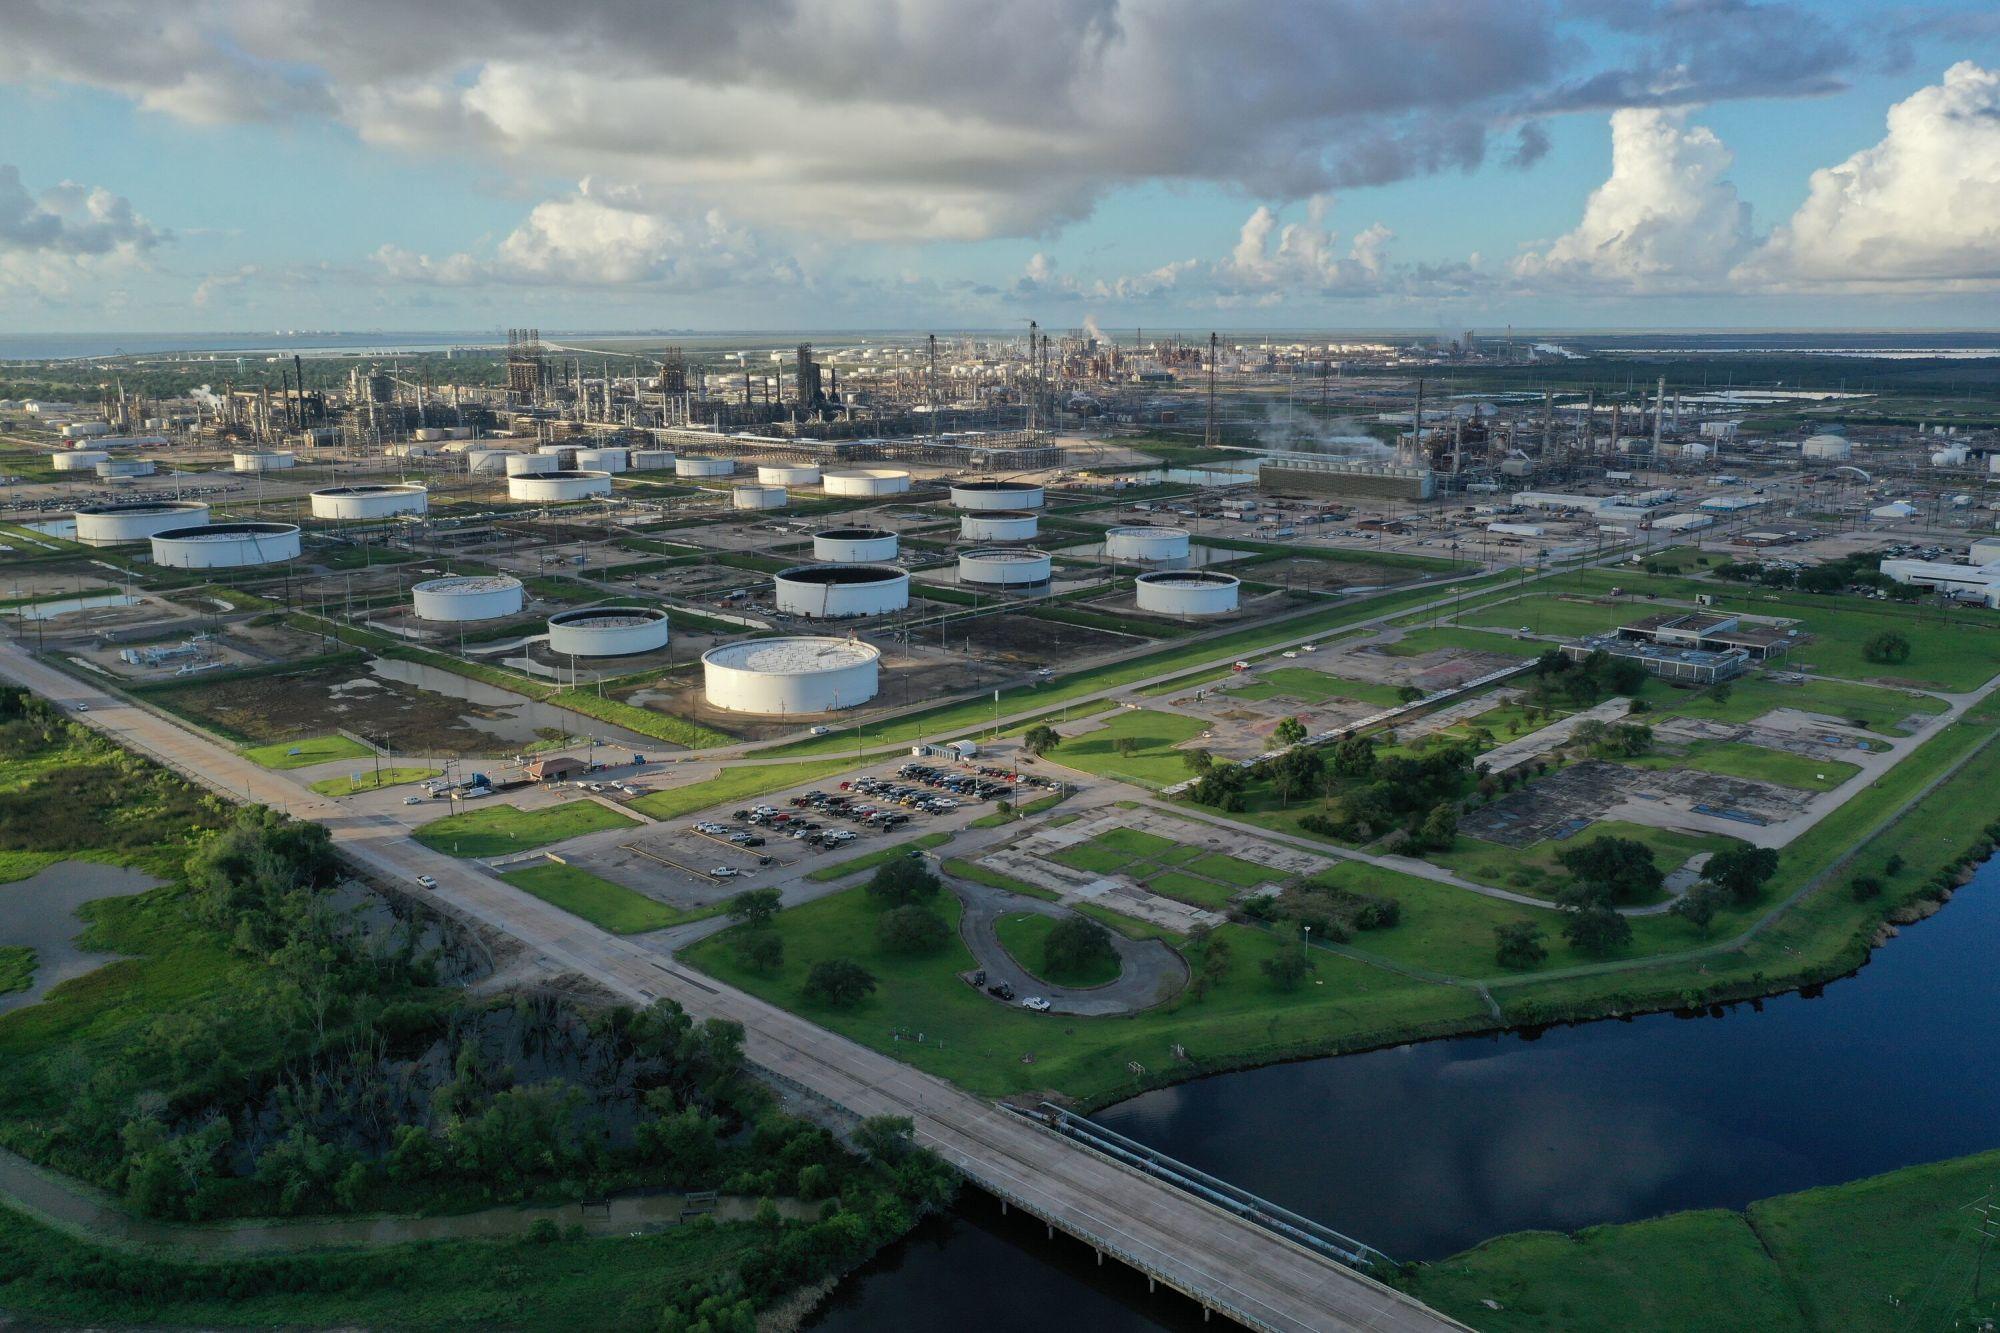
556,768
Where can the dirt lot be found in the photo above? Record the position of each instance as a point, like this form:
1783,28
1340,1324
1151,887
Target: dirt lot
1020,640
43,580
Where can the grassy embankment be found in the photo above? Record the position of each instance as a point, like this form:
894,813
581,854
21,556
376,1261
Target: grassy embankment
349,784
499,830
307,752
601,902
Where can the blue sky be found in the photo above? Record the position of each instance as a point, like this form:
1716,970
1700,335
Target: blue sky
402,174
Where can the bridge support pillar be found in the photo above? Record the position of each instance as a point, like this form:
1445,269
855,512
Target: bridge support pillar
1100,1258
1003,1208
1205,1313
1051,1229
1151,1285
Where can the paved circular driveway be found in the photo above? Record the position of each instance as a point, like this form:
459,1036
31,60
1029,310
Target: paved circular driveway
1149,972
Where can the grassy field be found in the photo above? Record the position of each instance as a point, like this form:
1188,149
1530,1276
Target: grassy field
17,968
745,782
305,753
345,785
1417,642
1551,614
1154,763
1759,764
498,830
1534,869
1876,709
1891,1253
1312,687
1024,934
854,865
610,906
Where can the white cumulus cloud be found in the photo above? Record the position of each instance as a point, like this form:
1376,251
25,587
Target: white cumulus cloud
66,232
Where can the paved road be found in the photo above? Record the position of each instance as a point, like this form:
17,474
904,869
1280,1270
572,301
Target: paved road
1149,973
1229,1264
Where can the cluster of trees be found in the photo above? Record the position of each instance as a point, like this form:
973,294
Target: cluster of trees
1556,680
1860,570
87,794
1732,877
1076,944
1370,796
1609,872
1613,740
1331,911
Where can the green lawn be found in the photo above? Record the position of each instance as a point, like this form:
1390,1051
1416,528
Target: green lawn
1310,686
1234,870
1549,614
17,968
1417,642
980,874
745,782
1153,763
1025,934
1736,760
305,753
610,906
1877,709
1533,869
1192,889
497,830
854,865
345,785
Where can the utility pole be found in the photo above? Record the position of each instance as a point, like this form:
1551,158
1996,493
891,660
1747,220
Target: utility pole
1212,434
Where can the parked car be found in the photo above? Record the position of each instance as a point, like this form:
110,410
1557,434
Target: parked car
427,881
413,800
723,872
1000,991
1036,1003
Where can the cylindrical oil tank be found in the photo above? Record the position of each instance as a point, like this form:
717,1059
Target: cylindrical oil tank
263,460
1007,568
999,525
561,485
995,495
854,546
690,465
125,467
79,460
225,545
861,481
562,451
652,460
757,497
460,597
489,460
601,460
607,631
522,465
1154,544
105,525
1190,592
788,474
841,590
370,501
788,677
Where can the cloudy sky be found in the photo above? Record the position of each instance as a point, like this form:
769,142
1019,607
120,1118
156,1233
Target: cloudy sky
768,164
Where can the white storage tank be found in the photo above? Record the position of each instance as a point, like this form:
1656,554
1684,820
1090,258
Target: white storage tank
106,525
601,460
854,546
462,597
1827,448
545,487
831,591
866,481
788,474
125,467
1188,592
562,452
225,545
688,465
652,460
263,460
793,676
523,465
995,495
1153,543
607,631
757,497
370,500
493,461
80,460
1007,568
999,525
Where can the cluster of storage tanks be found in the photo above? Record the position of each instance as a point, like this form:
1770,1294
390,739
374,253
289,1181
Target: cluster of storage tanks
791,676
370,500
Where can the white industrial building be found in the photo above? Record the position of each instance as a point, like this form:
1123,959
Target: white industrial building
1683,522
607,631
1189,592
788,474
225,545
1980,581
825,591
1153,543
370,500
792,676
466,597
1004,567
544,487
995,495
999,525
865,481
107,525
854,546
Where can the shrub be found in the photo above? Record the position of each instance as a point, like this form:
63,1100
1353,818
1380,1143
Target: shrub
1075,944
1517,945
1864,887
1889,648
840,982
911,929
902,880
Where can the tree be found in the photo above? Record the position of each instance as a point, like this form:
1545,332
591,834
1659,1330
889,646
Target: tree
1286,969
1354,759
886,1138
1740,871
1863,887
1698,905
1076,944
902,880
1408,694
1719,692
911,929
1517,945
1040,739
1440,828
755,907
1822,578
1289,732
1199,761
840,982
1597,930
1622,867
761,950
1888,647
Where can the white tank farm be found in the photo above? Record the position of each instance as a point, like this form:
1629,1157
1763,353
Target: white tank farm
831,591
1827,448
866,481
125,467
788,474
559,485
1149,542
757,497
1190,592
266,460
607,631
225,545
106,525
688,465
601,460
787,677
999,525
1013,567
370,501
652,460
995,495
461,597
854,546
492,461
523,465
79,460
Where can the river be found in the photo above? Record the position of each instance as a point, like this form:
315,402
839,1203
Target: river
1425,1150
